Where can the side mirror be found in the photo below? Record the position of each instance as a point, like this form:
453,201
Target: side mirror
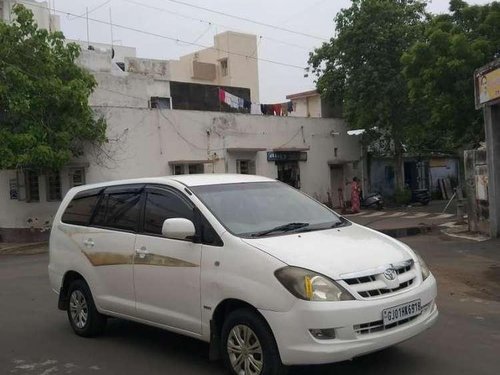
178,228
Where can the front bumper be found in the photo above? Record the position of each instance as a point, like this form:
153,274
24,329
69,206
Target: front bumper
298,347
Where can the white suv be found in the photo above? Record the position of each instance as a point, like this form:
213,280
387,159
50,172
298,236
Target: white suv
265,274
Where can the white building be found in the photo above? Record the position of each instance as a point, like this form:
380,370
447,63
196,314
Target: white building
148,139
41,13
311,104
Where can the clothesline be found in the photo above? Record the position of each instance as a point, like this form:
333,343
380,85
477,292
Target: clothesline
233,101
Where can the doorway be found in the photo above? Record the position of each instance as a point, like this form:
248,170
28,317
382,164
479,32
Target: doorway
337,186
289,173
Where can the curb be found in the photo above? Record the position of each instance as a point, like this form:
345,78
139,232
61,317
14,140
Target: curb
27,248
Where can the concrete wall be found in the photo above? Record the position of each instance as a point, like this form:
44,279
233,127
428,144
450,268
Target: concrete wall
307,107
145,142
120,51
442,168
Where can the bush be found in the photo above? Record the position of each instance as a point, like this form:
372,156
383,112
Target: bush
402,196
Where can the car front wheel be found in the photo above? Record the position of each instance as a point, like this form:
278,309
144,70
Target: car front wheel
248,346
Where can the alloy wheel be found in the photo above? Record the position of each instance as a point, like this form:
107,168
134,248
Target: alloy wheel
245,351
78,309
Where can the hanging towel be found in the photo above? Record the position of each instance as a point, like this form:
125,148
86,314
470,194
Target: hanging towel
277,109
222,95
255,109
247,105
290,106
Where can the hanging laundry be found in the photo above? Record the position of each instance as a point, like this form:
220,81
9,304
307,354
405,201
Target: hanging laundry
277,109
222,95
247,105
255,109
284,109
290,106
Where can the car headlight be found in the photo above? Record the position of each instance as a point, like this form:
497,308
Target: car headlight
311,286
423,267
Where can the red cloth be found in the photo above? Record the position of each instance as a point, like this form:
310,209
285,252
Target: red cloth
222,95
355,201
277,109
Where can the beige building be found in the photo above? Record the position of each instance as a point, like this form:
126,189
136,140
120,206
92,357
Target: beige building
310,104
232,61
41,13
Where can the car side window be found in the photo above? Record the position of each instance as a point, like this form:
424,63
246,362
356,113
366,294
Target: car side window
119,210
80,209
162,205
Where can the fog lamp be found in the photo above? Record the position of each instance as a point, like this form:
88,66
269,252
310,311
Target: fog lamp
323,334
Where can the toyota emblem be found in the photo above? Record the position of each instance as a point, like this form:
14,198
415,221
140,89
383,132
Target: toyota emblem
390,274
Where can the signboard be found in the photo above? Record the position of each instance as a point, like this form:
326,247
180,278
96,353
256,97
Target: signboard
286,156
487,87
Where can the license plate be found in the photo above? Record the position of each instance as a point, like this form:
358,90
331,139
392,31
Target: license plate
401,312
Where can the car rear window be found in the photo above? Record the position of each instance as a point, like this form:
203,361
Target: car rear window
80,209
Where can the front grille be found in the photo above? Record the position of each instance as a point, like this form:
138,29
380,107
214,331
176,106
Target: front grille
377,326
369,286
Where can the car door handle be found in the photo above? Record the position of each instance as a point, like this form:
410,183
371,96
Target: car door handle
142,252
89,242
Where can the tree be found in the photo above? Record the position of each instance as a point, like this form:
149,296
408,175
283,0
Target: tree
440,68
361,69
45,119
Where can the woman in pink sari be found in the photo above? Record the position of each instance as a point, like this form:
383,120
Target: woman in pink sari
355,195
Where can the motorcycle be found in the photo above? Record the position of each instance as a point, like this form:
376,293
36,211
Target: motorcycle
373,200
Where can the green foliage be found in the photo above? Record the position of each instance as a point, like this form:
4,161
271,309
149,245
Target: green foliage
361,68
45,119
402,196
440,68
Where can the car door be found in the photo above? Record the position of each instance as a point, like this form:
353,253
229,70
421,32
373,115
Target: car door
109,246
167,271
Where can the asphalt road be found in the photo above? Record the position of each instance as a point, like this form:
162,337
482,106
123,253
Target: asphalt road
35,337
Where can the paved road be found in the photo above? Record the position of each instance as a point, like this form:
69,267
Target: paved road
35,337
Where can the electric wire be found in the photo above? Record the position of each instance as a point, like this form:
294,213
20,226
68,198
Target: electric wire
248,20
90,11
177,40
168,11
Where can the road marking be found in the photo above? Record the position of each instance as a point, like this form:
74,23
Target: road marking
374,214
442,216
396,214
417,215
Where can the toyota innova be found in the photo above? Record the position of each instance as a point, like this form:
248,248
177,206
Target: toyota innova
262,272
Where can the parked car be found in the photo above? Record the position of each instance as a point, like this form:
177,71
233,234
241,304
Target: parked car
264,273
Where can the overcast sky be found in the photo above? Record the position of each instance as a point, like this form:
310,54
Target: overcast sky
313,17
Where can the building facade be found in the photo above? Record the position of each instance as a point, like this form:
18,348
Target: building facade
146,137
41,13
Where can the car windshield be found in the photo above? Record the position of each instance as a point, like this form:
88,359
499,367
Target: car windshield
259,209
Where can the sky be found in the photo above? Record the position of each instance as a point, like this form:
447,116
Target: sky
175,20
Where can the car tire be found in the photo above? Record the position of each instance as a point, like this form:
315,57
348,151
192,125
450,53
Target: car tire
83,316
248,346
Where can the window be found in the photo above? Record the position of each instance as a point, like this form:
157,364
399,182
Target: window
77,177
161,206
119,210
178,169
195,168
32,187
245,166
188,168
80,209
159,102
53,183
223,67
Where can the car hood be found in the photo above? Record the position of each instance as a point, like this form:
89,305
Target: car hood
334,252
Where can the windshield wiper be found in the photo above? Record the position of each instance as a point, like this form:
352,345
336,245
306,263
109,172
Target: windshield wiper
280,228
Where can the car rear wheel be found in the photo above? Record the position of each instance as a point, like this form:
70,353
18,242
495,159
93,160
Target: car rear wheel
248,346
83,316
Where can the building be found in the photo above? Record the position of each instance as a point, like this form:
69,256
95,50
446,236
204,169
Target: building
41,13
148,136
311,104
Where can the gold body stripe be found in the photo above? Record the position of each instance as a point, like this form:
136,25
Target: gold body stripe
98,259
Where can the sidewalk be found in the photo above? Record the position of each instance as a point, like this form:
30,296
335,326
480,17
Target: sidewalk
398,218
23,248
